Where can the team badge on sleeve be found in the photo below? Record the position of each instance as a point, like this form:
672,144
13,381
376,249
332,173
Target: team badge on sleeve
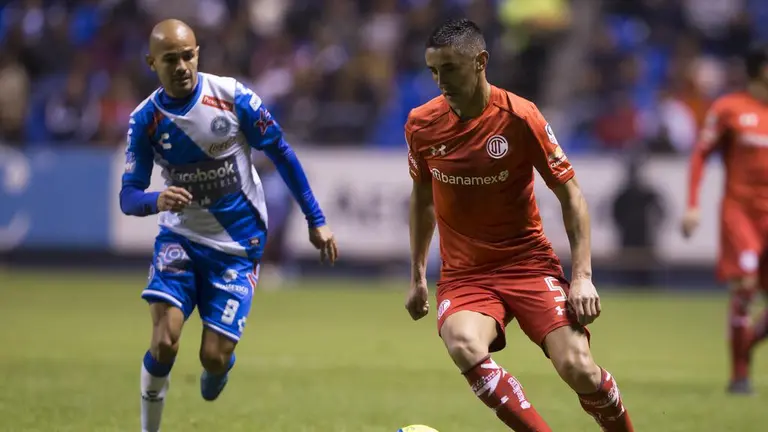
265,121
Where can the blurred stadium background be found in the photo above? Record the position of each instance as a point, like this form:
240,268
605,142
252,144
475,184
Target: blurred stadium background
625,84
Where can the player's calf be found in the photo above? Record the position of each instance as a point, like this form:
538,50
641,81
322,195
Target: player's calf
741,338
467,336
599,395
217,355
167,322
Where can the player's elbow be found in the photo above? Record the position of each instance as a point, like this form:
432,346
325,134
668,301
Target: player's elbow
570,196
124,207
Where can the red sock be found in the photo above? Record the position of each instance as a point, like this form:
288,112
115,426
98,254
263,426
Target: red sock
503,393
606,406
740,336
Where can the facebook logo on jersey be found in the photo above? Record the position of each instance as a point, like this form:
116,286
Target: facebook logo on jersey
209,180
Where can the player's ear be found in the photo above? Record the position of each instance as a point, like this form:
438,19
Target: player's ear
150,62
481,61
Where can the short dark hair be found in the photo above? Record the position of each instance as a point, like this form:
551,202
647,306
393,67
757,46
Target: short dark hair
755,59
460,34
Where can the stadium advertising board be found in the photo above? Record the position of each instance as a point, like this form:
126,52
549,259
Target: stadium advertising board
54,199
69,199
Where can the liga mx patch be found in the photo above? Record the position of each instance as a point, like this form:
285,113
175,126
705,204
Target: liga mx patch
551,134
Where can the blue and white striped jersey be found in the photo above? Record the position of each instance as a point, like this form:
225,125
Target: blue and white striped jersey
203,143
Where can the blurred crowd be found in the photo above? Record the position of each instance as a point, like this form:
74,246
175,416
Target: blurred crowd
346,72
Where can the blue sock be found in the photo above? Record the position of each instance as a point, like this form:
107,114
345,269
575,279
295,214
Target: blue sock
156,368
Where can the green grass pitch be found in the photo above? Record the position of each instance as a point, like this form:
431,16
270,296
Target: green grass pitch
326,356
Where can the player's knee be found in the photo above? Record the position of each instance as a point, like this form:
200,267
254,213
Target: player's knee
165,348
577,368
465,347
214,360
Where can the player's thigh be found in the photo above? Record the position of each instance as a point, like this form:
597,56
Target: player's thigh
540,305
171,289
741,246
468,312
568,349
226,290
167,323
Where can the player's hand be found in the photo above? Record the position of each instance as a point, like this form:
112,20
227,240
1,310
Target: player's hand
417,302
584,300
174,199
690,222
322,239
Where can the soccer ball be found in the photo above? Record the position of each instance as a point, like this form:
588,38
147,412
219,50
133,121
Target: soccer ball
417,428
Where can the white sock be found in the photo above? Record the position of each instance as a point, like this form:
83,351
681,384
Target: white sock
153,390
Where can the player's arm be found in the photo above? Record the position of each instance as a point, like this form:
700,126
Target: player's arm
577,227
556,170
710,138
139,157
265,134
421,227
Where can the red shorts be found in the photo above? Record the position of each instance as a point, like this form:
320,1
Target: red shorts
742,245
538,303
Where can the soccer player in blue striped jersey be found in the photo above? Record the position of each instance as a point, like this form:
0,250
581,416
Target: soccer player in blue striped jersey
201,129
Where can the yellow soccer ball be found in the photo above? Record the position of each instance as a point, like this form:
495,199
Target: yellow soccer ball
417,428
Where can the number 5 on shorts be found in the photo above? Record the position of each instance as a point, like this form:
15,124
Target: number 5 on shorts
554,285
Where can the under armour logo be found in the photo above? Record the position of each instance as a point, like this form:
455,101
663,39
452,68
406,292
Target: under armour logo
560,310
438,150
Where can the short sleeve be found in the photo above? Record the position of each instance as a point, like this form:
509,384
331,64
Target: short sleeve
417,166
715,128
545,152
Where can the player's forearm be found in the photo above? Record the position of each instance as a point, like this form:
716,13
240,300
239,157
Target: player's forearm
295,178
136,202
696,173
422,227
577,227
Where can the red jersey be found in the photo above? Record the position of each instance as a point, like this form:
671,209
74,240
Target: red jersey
481,172
737,125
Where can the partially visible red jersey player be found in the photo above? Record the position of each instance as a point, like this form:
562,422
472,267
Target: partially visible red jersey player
472,154
737,127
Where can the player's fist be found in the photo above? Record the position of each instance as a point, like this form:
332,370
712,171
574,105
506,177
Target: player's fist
584,300
417,302
174,199
322,239
690,222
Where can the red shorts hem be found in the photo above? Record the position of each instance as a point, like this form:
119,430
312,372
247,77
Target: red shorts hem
538,303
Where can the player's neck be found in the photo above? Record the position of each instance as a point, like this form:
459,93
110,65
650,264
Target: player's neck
758,90
477,104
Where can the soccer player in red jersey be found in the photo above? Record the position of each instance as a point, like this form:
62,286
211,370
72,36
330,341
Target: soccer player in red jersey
472,155
737,127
